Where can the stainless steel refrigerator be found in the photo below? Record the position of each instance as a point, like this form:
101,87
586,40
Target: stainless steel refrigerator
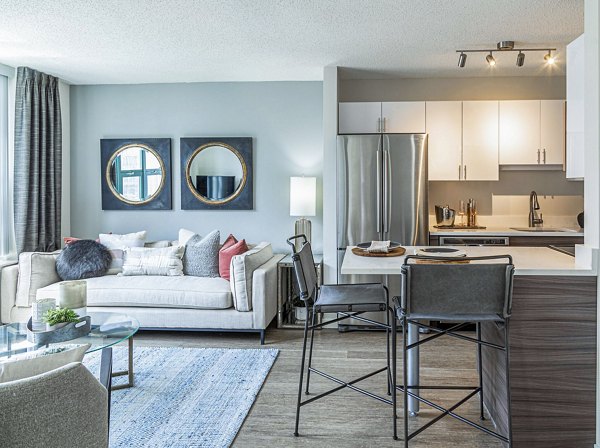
382,195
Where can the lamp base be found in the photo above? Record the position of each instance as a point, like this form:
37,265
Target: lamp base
302,227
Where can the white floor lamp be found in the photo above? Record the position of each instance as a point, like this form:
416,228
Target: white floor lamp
303,203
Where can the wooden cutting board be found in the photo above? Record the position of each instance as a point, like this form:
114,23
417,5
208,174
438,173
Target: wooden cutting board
396,252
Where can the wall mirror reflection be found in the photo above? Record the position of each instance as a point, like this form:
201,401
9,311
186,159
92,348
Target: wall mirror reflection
137,174
216,173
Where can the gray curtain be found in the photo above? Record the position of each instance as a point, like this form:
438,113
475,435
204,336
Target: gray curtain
38,162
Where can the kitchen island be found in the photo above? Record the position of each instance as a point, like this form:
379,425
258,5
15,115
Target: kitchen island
552,342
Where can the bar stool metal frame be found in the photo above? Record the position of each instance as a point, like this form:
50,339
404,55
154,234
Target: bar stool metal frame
348,301
472,297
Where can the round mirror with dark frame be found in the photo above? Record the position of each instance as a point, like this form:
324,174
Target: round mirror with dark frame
136,174
216,173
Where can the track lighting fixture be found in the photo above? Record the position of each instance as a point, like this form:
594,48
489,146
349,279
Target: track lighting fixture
504,46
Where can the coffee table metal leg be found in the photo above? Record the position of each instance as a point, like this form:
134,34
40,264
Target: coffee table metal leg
129,371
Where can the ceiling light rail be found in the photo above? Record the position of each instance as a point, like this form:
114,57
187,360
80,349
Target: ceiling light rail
503,47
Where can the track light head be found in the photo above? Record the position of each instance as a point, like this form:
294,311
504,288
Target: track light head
462,60
490,59
550,60
520,59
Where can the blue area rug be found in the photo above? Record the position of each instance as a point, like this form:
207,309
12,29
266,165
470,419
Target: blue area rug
184,397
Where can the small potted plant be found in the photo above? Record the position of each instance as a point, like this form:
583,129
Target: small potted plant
59,317
299,309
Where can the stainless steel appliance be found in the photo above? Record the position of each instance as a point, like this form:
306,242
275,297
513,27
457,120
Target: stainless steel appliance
474,241
382,185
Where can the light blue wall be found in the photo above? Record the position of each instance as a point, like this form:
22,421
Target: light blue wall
284,118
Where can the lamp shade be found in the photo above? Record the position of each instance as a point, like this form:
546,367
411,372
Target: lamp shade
303,196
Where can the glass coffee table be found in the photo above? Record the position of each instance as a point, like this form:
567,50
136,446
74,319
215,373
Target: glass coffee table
108,329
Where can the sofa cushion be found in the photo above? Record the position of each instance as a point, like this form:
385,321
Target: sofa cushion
36,270
154,291
153,261
115,241
201,257
242,267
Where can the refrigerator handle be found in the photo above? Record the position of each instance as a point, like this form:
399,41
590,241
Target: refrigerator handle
387,174
378,190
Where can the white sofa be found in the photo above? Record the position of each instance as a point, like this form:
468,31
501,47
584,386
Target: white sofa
247,304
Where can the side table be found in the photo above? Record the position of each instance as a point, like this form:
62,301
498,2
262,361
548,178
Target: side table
287,291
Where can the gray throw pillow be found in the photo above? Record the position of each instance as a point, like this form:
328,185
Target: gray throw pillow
83,259
201,257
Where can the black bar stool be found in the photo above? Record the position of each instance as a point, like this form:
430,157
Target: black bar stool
474,290
348,301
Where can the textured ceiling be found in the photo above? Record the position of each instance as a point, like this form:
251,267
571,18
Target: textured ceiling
140,41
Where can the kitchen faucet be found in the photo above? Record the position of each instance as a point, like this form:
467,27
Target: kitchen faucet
534,205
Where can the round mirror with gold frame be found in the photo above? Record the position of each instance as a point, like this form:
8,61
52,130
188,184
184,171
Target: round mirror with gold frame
216,173
136,174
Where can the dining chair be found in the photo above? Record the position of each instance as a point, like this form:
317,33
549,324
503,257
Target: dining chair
473,290
348,301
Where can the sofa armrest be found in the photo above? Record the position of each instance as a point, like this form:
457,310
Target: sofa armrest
9,275
264,292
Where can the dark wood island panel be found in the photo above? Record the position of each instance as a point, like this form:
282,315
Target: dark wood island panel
552,363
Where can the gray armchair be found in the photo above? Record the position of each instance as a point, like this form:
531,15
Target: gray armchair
66,407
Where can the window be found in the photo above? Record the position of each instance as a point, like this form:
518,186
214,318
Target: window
5,215
137,174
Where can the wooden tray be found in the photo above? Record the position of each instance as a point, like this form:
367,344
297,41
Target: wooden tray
396,252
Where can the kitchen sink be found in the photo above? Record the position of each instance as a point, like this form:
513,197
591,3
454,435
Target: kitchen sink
542,229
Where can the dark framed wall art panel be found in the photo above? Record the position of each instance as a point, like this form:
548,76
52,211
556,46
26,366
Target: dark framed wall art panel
136,173
217,173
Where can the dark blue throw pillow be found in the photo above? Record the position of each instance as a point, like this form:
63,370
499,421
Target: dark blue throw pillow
83,259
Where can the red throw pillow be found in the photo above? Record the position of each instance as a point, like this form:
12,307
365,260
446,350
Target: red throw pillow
71,239
225,256
230,241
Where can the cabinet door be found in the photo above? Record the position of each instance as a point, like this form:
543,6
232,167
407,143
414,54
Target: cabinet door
444,126
575,104
480,140
552,135
519,132
359,118
407,117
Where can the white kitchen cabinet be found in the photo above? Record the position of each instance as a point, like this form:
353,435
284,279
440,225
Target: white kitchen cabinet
575,103
531,132
519,132
444,126
406,117
552,132
480,140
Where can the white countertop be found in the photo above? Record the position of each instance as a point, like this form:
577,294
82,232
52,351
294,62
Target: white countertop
527,261
501,231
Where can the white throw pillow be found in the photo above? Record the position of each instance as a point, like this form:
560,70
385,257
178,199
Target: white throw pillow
241,269
116,243
149,261
36,270
40,361
184,236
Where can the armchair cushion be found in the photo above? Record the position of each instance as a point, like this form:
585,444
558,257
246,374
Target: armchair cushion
40,361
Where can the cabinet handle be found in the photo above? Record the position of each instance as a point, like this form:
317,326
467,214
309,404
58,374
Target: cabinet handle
459,172
465,176
544,156
538,156
379,126
383,130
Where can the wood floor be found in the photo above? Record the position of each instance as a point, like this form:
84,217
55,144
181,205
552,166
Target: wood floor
345,418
